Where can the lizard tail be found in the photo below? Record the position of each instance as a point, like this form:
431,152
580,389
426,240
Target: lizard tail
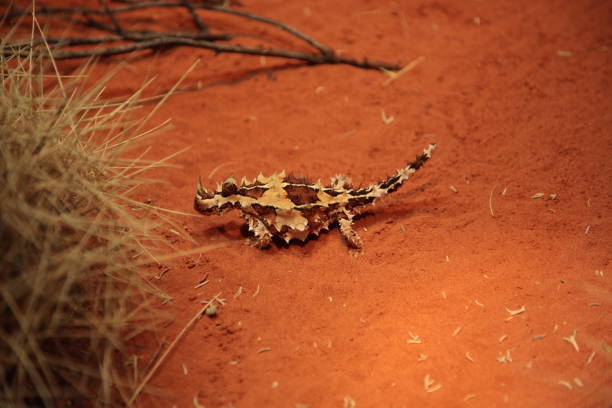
392,183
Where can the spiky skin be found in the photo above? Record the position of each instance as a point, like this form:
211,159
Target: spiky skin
290,207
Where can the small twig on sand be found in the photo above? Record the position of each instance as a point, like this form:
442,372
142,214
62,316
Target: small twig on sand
491,201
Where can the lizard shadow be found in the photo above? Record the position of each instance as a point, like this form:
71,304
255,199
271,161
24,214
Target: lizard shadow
397,212
366,219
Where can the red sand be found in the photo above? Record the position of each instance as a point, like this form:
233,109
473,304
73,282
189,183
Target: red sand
509,113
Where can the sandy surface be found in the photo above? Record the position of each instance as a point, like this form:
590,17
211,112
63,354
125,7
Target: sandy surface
517,96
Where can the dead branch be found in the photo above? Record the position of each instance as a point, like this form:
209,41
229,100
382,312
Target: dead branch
119,40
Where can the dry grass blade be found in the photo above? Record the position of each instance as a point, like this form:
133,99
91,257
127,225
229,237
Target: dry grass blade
178,337
71,292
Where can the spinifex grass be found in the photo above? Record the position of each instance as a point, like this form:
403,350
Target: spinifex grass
71,238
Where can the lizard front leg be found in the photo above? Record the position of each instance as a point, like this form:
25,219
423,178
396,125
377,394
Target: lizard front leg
347,231
262,238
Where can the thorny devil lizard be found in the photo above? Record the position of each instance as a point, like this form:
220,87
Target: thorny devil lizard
290,207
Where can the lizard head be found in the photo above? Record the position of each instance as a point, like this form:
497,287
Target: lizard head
212,202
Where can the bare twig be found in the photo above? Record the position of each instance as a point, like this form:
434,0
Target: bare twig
142,40
196,17
322,48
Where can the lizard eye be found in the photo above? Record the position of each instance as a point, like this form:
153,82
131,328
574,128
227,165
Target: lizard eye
228,188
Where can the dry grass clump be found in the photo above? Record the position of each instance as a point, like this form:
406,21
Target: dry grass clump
71,239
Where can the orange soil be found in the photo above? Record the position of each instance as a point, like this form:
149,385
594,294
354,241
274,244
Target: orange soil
512,117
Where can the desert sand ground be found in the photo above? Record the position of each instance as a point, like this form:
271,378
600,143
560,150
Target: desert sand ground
485,280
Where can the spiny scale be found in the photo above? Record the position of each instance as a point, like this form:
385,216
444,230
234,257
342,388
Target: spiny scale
290,207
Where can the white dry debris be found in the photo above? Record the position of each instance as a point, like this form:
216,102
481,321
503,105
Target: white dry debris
578,382
572,340
587,229
199,285
196,403
504,358
453,189
185,370
427,381
504,191
414,339
538,195
457,330
422,357
386,119
256,291
599,272
238,292
538,337
566,384
349,402
491,201
434,388
503,337
478,303
590,359
513,313
429,385
469,356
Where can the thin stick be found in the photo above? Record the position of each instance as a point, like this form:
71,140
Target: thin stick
170,348
191,8
152,40
491,201
393,76
162,41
